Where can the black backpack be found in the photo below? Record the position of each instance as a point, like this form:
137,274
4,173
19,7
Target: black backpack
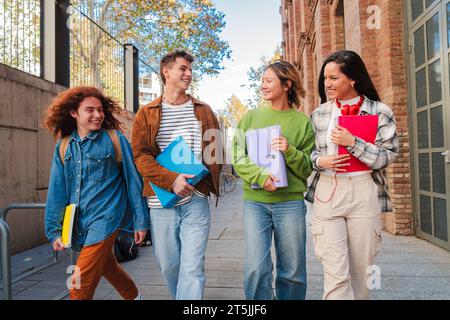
125,249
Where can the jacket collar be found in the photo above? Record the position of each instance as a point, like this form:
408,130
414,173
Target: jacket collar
158,101
92,135
365,106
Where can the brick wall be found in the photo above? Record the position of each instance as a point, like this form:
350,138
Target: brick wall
337,26
352,25
330,25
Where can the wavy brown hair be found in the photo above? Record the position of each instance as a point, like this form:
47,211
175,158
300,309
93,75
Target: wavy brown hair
285,71
61,124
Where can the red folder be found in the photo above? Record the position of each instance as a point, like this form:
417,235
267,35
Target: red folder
364,127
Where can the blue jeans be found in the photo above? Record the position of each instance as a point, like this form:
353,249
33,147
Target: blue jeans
286,222
180,236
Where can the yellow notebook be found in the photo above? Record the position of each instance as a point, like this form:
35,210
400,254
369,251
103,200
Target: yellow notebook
68,224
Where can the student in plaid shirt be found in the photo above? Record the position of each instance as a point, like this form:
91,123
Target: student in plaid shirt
346,219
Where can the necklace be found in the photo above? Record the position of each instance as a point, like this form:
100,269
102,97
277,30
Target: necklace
174,103
350,109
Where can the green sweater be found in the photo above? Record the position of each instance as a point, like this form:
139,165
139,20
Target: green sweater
298,130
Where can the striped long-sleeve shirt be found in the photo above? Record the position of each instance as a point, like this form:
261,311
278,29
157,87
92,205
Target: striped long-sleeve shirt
178,121
376,156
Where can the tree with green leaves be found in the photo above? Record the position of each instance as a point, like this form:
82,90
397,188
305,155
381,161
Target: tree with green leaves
159,26
154,26
20,35
96,57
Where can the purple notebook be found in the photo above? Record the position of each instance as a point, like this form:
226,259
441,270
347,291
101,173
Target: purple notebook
260,153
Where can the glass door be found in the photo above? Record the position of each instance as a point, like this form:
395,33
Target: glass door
429,73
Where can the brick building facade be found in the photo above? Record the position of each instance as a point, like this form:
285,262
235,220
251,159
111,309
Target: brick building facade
380,31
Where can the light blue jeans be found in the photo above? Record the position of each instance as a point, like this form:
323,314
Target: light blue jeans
286,222
180,236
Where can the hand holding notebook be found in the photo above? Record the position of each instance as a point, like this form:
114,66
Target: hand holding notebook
261,154
364,127
178,157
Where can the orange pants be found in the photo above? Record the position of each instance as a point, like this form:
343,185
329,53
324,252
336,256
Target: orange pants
94,262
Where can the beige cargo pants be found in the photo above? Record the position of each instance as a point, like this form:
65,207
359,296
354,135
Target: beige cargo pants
347,234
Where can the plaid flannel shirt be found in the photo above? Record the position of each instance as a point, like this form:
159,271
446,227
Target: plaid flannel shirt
376,156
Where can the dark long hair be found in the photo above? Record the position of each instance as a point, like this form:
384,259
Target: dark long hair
285,71
354,68
61,124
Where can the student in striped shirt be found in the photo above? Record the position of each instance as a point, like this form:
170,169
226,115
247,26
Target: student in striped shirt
180,234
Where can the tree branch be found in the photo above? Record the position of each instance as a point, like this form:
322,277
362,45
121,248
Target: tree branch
78,41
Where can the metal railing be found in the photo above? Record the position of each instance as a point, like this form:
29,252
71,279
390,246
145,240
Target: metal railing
20,35
96,57
71,43
5,250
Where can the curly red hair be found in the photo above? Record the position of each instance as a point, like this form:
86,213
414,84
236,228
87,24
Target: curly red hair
61,124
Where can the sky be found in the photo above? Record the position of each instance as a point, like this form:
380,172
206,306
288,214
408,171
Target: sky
253,30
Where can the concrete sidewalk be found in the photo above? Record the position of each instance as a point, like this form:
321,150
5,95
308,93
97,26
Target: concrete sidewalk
411,268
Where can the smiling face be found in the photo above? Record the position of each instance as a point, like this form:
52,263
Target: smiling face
89,116
178,74
271,87
337,84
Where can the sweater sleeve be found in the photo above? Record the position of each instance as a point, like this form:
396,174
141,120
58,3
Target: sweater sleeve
246,169
298,158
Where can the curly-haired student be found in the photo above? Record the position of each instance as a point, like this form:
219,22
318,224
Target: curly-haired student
86,171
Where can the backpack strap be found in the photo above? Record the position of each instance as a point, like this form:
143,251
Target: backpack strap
63,148
116,144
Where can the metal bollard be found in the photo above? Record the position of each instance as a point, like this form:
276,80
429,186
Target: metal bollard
5,250
5,257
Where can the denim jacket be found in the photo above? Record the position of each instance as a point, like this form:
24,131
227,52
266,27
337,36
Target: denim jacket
108,197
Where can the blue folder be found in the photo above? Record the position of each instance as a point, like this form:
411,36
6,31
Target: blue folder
178,157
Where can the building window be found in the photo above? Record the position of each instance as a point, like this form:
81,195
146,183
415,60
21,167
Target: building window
145,82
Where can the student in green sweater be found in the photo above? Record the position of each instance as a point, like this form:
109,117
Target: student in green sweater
271,211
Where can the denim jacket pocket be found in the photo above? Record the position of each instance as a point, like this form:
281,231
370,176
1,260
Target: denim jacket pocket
69,167
99,166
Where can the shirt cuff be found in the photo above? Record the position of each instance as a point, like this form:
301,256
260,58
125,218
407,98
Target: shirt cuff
262,179
141,225
55,236
170,181
317,163
140,228
358,149
290,151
